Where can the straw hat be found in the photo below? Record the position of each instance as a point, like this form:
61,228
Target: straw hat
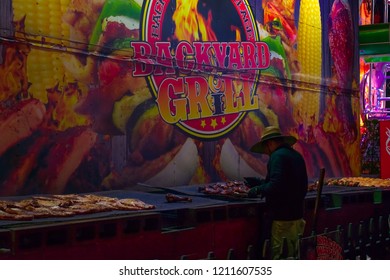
272,132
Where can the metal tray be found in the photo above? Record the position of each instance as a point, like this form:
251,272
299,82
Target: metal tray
158,200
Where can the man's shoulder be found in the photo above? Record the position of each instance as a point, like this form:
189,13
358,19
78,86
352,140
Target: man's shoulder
288,152
285,149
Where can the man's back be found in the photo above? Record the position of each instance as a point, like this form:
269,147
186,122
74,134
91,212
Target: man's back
287,184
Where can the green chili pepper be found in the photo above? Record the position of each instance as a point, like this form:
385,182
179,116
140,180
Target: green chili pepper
122,43
275,44
128,8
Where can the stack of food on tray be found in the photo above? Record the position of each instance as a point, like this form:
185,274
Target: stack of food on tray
313,186
359,182
66,206
229,188
170,197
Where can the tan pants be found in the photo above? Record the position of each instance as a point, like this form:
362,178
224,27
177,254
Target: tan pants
291,231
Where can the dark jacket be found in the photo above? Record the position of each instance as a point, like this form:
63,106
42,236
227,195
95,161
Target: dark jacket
286,184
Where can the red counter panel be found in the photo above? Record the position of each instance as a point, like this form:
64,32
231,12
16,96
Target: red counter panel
384,128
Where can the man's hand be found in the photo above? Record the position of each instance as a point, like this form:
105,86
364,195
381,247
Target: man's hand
253,181
253,192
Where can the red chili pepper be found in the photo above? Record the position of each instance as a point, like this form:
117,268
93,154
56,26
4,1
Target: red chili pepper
275,14
108,70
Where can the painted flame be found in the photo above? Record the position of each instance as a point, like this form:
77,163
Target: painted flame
193,26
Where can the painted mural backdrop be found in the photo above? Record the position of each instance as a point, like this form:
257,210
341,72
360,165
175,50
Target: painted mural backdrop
104,94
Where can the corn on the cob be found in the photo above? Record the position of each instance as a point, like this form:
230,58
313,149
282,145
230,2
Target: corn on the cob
45,68
43,18
309,53
309,41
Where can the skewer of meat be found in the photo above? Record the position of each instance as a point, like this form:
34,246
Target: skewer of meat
64,157
19,122
21,170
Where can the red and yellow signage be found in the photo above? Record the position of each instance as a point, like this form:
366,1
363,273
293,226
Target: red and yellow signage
203,85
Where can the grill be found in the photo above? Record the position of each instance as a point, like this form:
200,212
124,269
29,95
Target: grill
173,230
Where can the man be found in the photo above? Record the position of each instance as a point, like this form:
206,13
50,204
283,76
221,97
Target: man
284,189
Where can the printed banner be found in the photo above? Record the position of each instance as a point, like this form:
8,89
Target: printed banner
98,95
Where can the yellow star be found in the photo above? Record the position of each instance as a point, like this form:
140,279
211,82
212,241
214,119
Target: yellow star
203,123
214,123
223,121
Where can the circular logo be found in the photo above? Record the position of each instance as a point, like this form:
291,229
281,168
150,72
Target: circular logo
202,59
